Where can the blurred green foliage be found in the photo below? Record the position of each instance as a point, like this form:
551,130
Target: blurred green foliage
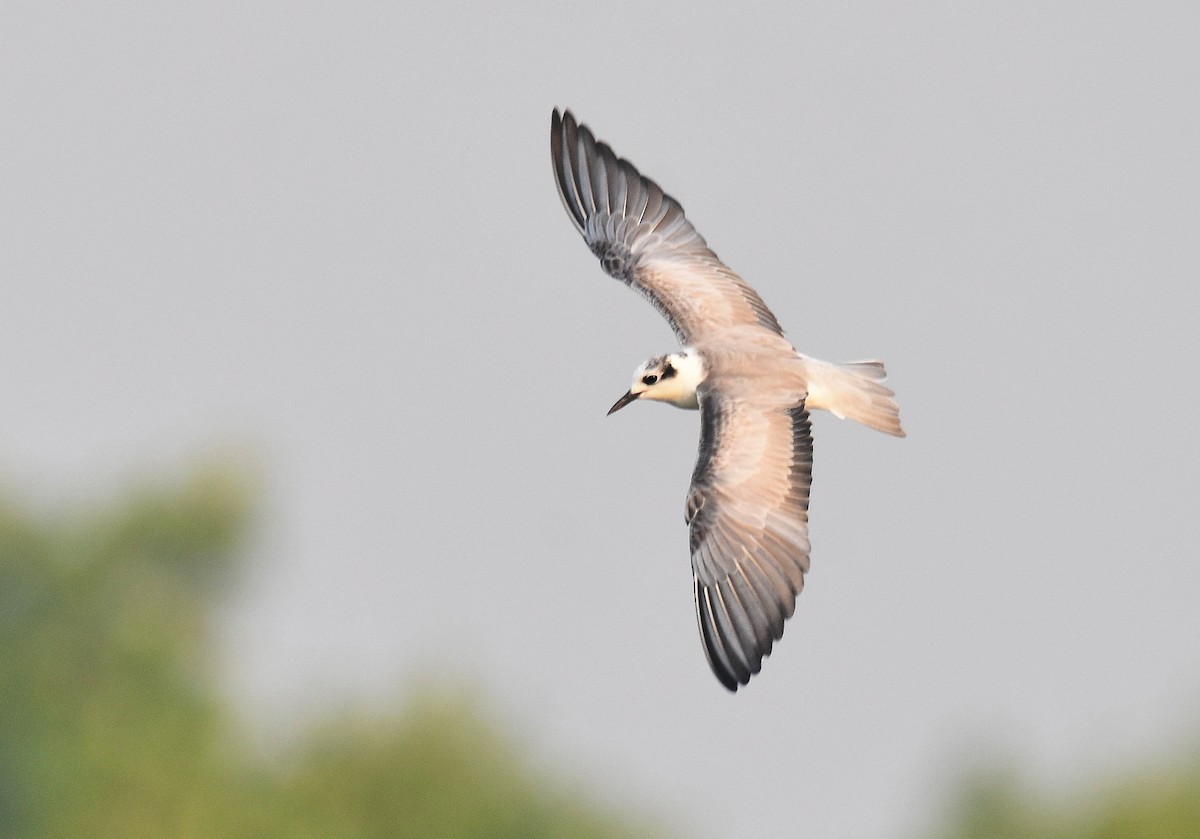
110,725
1159,802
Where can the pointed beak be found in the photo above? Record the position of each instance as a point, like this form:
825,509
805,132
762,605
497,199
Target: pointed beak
629,396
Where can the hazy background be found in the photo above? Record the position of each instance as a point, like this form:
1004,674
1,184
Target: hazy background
327,236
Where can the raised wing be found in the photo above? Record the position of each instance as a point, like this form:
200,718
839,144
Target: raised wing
748,519
642,238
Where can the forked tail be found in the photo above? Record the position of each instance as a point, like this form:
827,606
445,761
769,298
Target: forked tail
854,390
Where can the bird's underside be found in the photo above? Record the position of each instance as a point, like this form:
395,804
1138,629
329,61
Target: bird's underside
747,509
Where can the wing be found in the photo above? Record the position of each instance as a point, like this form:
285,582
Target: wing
642,238
748,520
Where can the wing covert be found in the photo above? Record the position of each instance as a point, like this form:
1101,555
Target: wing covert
747,514
642,237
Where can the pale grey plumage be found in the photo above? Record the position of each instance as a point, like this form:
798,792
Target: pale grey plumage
747,511
747,516
641,237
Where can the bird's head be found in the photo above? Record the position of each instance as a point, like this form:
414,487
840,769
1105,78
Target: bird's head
666,378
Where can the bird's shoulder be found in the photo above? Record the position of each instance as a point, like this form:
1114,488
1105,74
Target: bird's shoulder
747,361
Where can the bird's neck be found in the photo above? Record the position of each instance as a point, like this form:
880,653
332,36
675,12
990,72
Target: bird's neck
680,390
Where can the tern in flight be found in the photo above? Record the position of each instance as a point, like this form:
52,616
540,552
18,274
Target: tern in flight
747,509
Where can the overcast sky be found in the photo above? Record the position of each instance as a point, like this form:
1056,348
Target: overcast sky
327,235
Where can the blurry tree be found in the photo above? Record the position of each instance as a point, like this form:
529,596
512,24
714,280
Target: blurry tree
1160,802
111,727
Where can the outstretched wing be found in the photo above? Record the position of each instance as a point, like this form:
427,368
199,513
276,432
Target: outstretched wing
748,520
642,238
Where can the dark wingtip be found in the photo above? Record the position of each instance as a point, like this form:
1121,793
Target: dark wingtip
714,647
563,151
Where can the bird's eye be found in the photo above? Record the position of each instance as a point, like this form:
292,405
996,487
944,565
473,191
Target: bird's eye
649,380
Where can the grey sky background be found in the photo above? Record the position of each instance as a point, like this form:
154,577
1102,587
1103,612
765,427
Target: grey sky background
328,235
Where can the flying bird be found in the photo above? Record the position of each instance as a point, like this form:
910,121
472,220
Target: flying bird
747,508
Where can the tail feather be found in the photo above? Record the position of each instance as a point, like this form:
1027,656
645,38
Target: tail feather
854,391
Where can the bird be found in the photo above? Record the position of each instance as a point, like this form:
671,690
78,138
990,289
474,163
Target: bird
747,507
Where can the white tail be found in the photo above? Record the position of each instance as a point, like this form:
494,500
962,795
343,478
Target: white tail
853,391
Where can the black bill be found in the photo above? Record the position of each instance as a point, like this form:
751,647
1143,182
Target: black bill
630,396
